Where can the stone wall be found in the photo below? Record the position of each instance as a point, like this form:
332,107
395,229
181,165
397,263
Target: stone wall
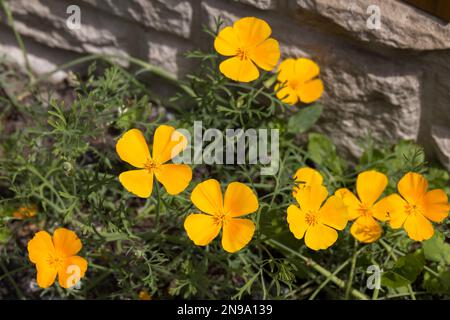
393,81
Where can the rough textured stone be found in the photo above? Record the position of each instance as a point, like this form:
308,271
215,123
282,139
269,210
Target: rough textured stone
393,82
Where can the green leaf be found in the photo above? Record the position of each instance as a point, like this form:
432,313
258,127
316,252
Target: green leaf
440,284
323,152
304,119
405,270
436,249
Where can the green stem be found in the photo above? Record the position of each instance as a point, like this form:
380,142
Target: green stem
340,283
352,271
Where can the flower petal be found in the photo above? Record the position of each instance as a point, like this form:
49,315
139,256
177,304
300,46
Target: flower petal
286,94
305,69
227,42
174,177
66,242
380,210
207,196
310,91
167,143
351,201
240,200
395,206
436,205
286,70
73,270
201,228
133,149
334,213
266,54
40,247
418,227
138,182
412,187
236,234
366,229
311,198
306,177
45,275
252,31
239,70
297,222
320,236
370,185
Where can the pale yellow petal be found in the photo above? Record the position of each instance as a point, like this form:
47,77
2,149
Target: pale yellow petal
370,185
236,234
366,229
320,236
296,219
66,242
138,182
237,69
413,187
73,269
227,42
239,200
40,247
418,227
252,31
167,143
174,177
207,196
266,54
133,149
436,205
201,228
334,213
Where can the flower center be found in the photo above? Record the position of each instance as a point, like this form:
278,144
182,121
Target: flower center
241,54
150,165
311,218
412,209
365,210
295,84
55,261
220,218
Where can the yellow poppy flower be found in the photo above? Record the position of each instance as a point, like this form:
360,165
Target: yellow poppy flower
305,177
223,213
298,81
57,256
167,143
247,42
25,212
314,221
415,207
364,208
144,295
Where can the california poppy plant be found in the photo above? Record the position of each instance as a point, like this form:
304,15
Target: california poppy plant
305,177
57,256
247,42
415,206
222,213
315,220
167,143
364,209
298,81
